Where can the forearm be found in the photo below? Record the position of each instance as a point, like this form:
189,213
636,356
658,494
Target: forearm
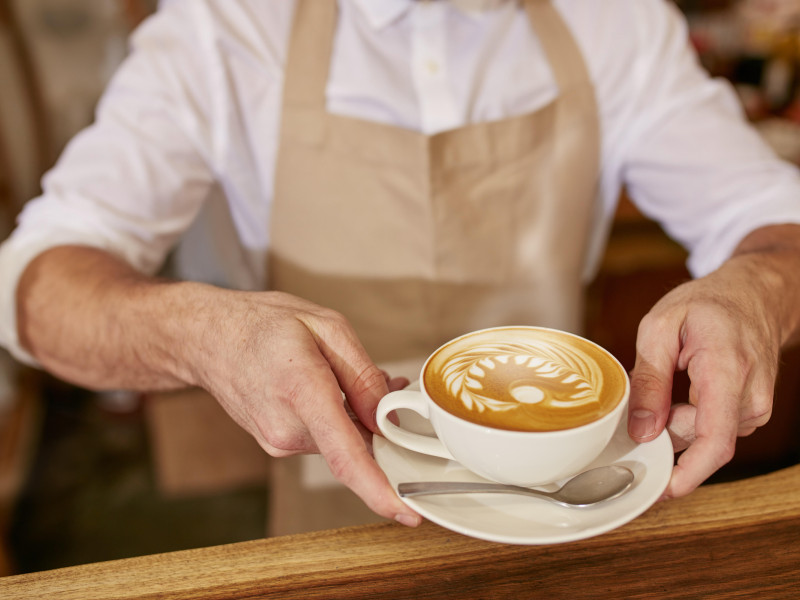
91,319
770,260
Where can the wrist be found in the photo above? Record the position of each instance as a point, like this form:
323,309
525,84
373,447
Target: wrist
771,257
192,330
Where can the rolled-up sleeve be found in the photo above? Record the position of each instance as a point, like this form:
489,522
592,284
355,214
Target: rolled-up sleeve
690,160
134,181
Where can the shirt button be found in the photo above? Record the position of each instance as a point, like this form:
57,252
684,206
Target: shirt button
432,66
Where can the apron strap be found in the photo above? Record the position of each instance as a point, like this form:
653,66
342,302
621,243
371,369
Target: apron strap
563,54
309,55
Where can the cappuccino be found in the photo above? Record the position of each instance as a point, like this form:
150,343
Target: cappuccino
525,379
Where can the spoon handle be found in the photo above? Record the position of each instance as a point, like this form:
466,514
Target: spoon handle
428,488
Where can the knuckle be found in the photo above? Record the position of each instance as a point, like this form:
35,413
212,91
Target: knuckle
654,324
284,441
747,431
762,418
649,321
646,383
329,324
334,318
276,452
757,403
760,411
369,381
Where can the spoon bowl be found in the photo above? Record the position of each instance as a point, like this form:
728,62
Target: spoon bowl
585,489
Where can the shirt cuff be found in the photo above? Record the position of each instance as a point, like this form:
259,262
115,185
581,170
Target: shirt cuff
13,262
714,250
16,253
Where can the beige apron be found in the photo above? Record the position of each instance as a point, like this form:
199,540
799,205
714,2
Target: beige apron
417,239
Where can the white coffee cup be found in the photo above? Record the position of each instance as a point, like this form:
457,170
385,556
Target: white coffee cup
499,453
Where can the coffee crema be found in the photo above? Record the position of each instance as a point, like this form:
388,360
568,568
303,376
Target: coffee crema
525,379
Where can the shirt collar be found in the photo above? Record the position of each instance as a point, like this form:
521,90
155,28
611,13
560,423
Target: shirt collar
381,13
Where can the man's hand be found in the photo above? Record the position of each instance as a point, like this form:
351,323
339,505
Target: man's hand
278,365
726,330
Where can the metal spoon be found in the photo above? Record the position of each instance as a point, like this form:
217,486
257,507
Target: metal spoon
585,489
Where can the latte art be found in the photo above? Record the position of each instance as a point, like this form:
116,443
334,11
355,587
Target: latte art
502,376
537,382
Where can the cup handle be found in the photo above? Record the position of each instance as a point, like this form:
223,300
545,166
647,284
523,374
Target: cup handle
415,401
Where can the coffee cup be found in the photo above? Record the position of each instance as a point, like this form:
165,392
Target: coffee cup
519,405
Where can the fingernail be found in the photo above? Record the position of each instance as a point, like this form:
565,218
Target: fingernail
408,520
642,424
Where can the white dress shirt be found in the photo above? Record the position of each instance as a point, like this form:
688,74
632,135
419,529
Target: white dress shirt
193,115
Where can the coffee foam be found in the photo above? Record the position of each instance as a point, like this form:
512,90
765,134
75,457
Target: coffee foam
525,379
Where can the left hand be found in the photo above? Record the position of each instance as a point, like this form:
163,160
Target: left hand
723,331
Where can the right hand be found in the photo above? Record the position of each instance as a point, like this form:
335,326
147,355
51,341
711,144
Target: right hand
278,365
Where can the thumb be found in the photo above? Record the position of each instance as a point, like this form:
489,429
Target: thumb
651,387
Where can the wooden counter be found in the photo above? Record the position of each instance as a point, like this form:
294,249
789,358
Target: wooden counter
726,540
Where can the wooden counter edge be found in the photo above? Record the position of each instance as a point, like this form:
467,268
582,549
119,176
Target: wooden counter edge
376,555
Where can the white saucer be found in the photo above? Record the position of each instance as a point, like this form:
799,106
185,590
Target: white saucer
514,519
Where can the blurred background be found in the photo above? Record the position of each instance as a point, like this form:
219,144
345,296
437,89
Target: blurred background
88,477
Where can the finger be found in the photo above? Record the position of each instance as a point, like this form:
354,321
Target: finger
308,447
715,390
365,433
364,392
363,383
754,411
657,352
701,460
348,457
757,409
397,383
366,436
282,434
680,426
